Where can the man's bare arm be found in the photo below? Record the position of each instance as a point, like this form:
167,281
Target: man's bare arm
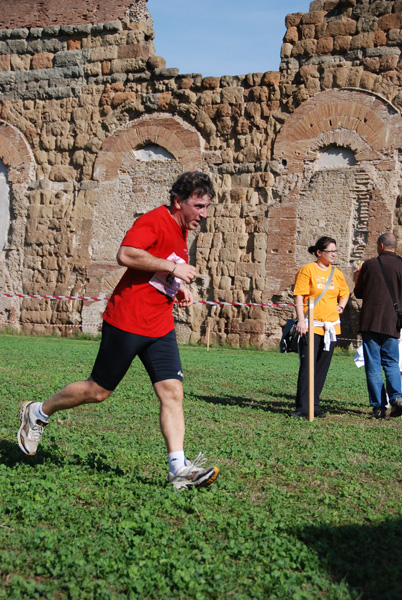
136,258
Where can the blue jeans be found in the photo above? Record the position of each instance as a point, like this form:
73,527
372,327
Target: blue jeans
381,350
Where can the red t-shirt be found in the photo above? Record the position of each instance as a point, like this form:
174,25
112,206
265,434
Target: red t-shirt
135,305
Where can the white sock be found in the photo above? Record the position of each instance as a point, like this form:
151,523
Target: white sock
38,412
176,461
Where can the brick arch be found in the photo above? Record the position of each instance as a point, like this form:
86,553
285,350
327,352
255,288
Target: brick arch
352,119
171,133
344,139
16,154
372,129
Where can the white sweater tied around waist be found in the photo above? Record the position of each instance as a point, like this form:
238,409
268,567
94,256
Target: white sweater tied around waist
329,332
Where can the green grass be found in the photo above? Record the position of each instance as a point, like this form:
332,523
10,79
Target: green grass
301,510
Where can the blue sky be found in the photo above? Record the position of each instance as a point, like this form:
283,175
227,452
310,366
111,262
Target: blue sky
221,37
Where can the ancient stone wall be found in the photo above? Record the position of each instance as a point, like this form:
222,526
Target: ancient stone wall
94,127
17,14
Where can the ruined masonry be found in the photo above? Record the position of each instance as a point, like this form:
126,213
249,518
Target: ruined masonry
94,128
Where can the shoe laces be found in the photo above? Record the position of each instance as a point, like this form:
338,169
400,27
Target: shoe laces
197,462
36,430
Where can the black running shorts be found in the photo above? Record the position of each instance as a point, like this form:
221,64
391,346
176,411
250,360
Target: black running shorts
159,355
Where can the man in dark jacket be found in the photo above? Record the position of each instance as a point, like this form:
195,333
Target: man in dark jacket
378,325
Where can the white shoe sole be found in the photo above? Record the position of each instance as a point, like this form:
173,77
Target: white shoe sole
203,483
20,438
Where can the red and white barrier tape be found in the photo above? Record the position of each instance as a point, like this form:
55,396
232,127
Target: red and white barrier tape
94,299
98,325
70,325
48,297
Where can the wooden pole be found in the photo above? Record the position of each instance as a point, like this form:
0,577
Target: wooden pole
311,359
208,335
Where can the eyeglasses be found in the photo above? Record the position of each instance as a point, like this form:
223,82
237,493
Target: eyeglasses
330,251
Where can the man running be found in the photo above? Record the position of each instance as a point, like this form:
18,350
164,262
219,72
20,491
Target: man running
138,320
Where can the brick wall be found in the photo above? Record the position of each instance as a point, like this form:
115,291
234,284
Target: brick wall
16,14
79,97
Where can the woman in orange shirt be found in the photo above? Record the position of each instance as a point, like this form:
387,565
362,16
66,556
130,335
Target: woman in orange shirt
310,282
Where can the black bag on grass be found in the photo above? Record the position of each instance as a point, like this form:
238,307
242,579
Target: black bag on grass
290,337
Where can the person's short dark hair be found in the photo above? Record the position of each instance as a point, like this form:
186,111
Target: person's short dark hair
321,244
192,182
388,240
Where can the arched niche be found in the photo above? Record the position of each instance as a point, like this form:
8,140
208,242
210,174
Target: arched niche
173,134
17,171
135,169
4,205
335,157
339,175
349,118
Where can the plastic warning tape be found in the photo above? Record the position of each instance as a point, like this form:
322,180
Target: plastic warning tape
211,303
40,296
68,326
94,299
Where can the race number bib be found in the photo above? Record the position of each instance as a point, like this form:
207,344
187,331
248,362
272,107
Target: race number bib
164,281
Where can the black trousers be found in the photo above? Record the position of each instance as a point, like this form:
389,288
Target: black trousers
322,360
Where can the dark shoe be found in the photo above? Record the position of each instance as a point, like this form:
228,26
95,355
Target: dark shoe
379,413
298,414
396,408
318,414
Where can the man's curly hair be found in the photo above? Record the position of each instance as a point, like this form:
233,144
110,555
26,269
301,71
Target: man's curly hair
192,183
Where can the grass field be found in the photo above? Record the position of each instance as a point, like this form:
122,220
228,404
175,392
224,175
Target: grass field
300,511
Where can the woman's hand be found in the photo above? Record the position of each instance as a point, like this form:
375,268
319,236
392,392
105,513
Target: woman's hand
301,327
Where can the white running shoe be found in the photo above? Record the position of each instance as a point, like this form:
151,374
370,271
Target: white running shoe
30,431
192,474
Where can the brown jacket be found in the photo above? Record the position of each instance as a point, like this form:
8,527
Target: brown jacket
378,313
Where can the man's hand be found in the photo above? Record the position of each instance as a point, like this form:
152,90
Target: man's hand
356,270
185,272
184,297
136,258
